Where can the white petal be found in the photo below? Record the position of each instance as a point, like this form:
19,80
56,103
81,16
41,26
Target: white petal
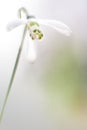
57,25
14,24
31,55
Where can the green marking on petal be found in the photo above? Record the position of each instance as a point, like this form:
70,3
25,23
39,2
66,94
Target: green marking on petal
36,34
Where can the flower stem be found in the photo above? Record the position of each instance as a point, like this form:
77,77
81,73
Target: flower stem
24,10
13,73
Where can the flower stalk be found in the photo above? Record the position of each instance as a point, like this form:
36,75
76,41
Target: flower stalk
14,71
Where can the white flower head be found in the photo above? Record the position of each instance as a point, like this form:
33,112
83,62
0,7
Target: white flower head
33,27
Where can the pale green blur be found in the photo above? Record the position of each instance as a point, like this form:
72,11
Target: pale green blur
65,79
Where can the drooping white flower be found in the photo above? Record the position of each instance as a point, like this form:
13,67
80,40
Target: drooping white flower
33,24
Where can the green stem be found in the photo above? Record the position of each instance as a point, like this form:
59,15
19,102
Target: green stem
24,10
13,73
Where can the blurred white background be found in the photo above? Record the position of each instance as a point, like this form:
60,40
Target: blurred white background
27,103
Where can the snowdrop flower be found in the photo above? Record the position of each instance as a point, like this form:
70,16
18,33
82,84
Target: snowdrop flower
32,26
